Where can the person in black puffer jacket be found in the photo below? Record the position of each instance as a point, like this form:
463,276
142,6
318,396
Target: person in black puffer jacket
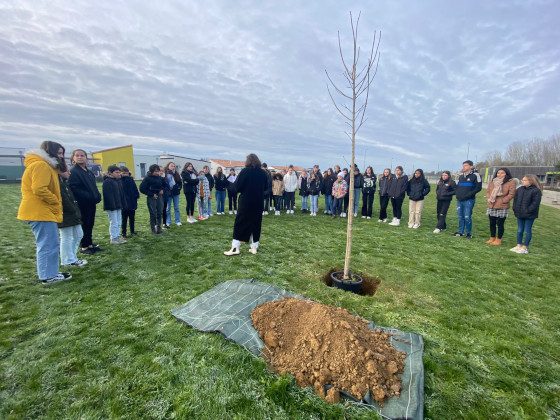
131,196
444,192
314,189
384,184
526,208
358,186
210,179
418,188
153,186
368,192
221,184
397,190
175,184
328,181
302,185
84,188
113,199
70,229
468,185
190,182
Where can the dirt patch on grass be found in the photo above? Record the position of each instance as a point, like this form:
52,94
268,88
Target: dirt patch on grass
322,345
369,284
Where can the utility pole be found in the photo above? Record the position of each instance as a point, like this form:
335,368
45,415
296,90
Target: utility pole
468,149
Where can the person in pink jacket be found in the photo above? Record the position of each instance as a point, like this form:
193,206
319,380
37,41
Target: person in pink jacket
339,189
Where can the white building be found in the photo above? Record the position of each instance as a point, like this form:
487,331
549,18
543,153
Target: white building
143,162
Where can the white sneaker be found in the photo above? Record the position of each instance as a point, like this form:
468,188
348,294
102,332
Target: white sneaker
277,213
79,263
232,251
395,222
515,248
57,278
363,217
415,226
343,214
355,214
266,213
380,221
179,224
235,212
368,217
253,251
436,230
410,225
230,212
523,251
384,220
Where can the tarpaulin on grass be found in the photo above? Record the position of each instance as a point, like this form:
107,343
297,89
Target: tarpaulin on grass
227,309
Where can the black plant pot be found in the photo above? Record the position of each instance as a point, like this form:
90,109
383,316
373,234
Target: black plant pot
354,285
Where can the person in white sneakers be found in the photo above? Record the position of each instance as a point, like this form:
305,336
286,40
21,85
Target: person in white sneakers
397,191
526,208
290,186
418,188
384,183
445,190
339,189
313,189
232,194
251,185
277,192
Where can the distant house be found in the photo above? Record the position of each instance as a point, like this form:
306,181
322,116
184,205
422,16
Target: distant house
143,162
279,168
226,165
120,156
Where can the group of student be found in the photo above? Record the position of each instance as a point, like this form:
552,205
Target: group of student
60,203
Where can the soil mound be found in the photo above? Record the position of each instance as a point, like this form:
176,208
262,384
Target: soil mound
324,345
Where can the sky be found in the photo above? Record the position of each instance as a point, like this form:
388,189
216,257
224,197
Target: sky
221,79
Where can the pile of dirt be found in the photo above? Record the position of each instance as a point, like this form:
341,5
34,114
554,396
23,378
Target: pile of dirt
324,345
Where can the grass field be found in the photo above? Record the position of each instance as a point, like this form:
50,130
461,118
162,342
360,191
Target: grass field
105,345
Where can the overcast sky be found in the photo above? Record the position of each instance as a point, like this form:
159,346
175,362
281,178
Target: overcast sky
220,79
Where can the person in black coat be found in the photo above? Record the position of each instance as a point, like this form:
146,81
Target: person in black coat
304,194
84,188
210,179
327,184
153,186
526,208
444,193
221,184
131,196
113,200
384,183
397,190
268,191
190,182
418,188
250,184
368,192
71,227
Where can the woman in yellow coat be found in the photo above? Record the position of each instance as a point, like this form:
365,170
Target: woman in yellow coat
41,207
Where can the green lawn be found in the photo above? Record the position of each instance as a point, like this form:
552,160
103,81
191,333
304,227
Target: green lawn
105,345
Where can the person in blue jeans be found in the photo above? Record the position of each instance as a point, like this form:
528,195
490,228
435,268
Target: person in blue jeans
468,185
210,178
221,184
175,183
329,178
41,207
526,208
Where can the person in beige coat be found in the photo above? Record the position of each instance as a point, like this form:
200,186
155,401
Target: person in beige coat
499,194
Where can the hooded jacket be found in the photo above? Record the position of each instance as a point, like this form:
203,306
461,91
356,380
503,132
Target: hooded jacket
340,188
418,188
40,189
113,196
526,202
445,190
369,184
131,194
468,186
190,181
220,182
328,182
84,187
71,215
152,184
384,183
398,187
314,186
302,185
358,181
290,182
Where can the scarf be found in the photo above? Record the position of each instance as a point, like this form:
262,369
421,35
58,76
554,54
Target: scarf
497,190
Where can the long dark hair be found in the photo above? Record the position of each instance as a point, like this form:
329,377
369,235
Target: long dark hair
187,165
506,178
252,161
420,178
51,147
175,173
372,173
441,180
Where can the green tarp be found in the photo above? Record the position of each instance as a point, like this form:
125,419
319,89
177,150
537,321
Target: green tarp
227,309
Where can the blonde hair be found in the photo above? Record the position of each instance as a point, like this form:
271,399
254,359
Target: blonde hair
533,180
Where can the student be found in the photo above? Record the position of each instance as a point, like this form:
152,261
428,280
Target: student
284,194
302,185
499,194
277,192
267,191
418,189
165,198
221,183
328,181
314,188
84,188
41,207
70,229
468,186
339,189
130,204
346,200
368,192
210,179
190,182
174,183
336,170
384,183
290,185
445,190
317,173
202,194
113,199
152,186
526,208
358,186
232,194
397,190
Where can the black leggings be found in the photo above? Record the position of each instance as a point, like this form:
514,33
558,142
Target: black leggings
128,215
190,196
442,208
383,203
88,220
277,202
499,223
290,199
232,200
155,208
367,204
397,207
346,202
164,211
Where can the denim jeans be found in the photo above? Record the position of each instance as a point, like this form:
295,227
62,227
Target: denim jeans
314,203
48,249
357,194
220,201
329,203
115,222
464,212
70,238
174,199
338,204
524,226
209,205
305,202
203,204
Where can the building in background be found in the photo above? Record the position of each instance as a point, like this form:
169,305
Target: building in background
143,161
120,156
545,174
226,165
11,163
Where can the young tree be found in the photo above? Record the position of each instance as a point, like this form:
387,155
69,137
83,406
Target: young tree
354,97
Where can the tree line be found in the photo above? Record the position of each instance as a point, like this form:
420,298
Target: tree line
534,152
